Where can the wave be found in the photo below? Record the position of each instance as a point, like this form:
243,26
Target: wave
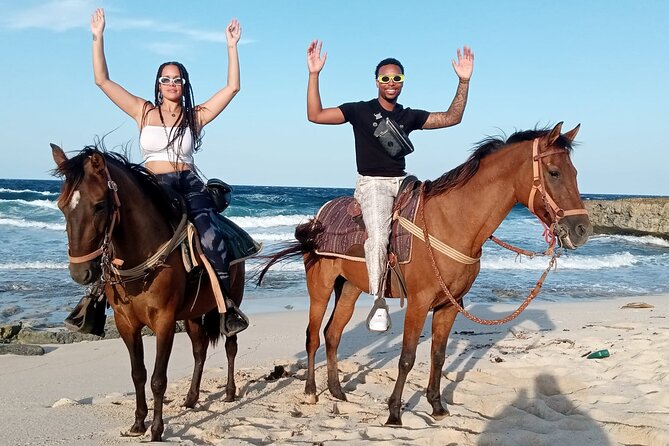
293,266
272,237
39,203
619,260
28,191
33,265
270,221
32,224
642,240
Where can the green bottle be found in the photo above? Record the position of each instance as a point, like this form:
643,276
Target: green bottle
599,354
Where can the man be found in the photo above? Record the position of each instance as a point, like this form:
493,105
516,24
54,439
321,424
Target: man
381,172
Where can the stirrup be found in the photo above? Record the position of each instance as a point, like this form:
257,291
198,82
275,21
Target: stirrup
379,304
241,321
88,316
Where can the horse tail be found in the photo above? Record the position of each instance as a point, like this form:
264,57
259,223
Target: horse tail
212,326
305,244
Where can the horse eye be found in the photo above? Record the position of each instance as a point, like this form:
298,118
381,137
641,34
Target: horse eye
554,173
100,206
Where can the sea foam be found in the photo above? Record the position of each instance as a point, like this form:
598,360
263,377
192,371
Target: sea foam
32,224
270,221
610,261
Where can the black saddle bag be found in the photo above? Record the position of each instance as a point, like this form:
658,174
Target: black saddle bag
392,138
221,193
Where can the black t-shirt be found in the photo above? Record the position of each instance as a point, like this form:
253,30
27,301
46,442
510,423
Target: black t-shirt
370,157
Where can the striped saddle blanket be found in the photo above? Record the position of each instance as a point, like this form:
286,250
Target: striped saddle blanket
344,231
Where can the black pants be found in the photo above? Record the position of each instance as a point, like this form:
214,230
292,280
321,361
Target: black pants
202,213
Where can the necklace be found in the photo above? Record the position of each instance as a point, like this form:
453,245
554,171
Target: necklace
173,113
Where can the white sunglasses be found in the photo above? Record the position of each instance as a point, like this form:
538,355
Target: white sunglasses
164,80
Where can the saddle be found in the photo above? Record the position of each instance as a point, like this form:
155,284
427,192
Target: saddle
239,243
344,232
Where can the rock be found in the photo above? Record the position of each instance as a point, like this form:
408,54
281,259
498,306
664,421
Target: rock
10,311
630,216
65,402
29,336
10,330
26,335
21,349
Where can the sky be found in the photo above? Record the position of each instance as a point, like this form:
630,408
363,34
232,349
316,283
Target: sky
603,64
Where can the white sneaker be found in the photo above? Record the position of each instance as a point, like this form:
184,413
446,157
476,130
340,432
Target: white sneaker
380,321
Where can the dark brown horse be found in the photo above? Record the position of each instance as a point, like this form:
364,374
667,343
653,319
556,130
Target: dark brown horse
462,208
116,210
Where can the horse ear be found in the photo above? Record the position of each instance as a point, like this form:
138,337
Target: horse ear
571,134
97,163
58,155
554,134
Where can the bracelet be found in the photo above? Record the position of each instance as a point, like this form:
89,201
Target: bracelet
464,81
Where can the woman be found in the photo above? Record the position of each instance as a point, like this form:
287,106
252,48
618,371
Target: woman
170,132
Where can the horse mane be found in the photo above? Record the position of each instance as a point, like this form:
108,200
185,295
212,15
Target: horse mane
491,144
73,171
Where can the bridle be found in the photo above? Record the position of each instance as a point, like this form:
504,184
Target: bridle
110,265
556,213
112,220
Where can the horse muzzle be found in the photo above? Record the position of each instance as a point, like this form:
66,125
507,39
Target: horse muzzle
85,273
573,231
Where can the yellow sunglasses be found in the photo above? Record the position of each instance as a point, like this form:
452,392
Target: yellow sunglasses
385,78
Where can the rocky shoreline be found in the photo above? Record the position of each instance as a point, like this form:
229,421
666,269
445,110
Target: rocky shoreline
630,216
17,339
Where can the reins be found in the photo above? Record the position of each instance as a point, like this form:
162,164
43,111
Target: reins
554,211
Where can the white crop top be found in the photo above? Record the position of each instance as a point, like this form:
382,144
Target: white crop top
153,141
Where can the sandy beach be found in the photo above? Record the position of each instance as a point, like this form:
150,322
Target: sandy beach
523,383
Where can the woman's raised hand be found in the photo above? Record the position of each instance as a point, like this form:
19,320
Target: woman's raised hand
98,22
233,32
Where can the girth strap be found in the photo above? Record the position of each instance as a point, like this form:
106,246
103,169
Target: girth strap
437,244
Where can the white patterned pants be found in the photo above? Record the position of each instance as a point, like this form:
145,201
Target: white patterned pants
376,196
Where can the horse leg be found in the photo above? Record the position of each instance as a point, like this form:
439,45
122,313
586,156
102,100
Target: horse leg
231,353
237,274
200,342
413,325
346,295
164,329
442,322
319,294
132,337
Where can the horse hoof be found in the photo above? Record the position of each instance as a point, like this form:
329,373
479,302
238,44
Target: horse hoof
440,415
132,433
229,398
189,404
311,399
393,421
339,395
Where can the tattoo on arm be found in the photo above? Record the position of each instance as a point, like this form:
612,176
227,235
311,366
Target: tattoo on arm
454,113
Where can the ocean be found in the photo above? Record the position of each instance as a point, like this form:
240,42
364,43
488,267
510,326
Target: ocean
35,286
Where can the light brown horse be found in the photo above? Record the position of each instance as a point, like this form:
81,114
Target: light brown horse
116,210
462,208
